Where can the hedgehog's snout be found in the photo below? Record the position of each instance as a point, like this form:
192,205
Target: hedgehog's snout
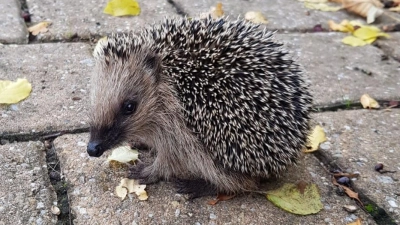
95,148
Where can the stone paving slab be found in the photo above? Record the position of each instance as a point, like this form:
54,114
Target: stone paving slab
86,18
12,25
338,71
359,140
92,198
391,46
59,73
26,194
281,15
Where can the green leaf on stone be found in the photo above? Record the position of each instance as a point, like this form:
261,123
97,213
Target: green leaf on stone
301,199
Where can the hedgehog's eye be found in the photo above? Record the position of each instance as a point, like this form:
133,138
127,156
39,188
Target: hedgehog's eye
129,107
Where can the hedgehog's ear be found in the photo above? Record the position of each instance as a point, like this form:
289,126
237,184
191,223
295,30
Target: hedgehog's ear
152,63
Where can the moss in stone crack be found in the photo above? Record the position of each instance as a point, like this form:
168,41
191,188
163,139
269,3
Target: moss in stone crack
348,104
369,208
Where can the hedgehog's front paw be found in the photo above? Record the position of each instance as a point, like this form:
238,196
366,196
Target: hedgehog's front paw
195,188
143,173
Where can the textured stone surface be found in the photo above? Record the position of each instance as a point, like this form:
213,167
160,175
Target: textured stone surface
59,74
86,18
12,25
391,46
282,15
26,195
340,72
359,140
93,200
60,71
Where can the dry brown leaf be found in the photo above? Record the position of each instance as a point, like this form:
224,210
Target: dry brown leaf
55,210
255,17
393,104
39,28
220,197
395,9
357,222
344,26
368,102
348,191
215,12
369,9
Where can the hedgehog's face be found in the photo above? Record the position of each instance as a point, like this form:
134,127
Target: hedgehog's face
124,96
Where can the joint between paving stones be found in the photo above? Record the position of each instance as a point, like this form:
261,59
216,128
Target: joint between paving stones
45,135
59,183
178,8
351,105
38,136
380,216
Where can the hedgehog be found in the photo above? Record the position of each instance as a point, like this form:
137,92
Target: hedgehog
220,103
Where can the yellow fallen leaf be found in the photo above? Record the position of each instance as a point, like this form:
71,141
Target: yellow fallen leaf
13,92
133,186
322,7
143,196
121,192
361,34
123,154
344,26
368,33
122,8
298,199
39,28
368,102
315,138
255,17
354,41
357,222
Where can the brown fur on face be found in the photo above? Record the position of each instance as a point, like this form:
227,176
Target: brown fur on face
158,122
116,82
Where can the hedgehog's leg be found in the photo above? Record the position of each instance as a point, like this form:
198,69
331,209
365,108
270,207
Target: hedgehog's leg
143,173
195,188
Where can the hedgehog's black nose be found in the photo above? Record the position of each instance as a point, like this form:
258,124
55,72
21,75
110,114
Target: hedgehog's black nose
95,149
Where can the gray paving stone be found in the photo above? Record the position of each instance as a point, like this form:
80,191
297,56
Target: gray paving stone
391,46
337,70
59,73
26,194
93,201
282,15
86,18
12,25
359,140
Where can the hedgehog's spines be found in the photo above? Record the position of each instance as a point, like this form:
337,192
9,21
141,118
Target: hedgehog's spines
242,96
